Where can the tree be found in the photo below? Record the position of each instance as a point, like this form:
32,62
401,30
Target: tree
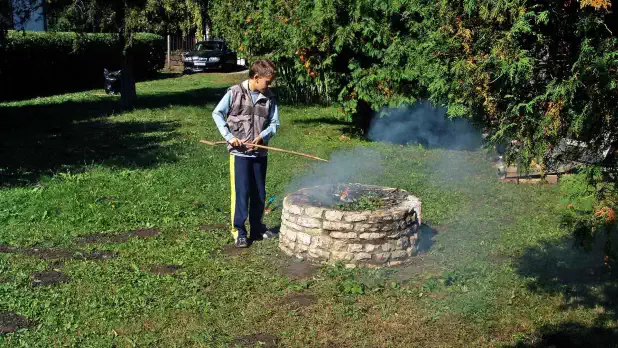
5,20
125,17
119,16
155,16
363,54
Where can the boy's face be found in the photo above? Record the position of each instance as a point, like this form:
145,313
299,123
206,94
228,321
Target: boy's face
262,82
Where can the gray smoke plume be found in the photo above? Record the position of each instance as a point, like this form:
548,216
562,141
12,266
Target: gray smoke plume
344,167
421,123
425,124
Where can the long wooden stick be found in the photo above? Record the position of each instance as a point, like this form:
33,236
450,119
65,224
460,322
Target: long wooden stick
270,148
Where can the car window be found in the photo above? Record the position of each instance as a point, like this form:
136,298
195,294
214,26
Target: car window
208,46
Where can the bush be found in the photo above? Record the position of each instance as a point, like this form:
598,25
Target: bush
36,63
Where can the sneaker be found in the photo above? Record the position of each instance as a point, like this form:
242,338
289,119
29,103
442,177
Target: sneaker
268,234
241,242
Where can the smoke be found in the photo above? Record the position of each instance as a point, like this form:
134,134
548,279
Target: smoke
421,123
344,167
424,124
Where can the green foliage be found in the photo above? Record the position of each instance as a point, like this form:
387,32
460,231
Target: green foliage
366,202
589,208
42,61
328,51
154,16
532,73
537,72
351,287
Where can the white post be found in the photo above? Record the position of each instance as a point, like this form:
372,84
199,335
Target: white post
169,52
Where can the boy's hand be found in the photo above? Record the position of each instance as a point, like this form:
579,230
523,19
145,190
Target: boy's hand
235,142
256,141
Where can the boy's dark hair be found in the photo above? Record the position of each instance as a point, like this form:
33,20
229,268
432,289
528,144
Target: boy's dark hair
264,68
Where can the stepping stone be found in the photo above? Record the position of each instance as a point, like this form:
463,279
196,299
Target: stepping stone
49,278
11,322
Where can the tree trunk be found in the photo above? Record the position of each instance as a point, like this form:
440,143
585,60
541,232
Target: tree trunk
128,95
362,117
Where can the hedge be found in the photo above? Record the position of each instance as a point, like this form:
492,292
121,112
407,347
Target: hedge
37,63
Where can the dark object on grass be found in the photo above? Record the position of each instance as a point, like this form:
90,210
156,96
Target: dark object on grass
49,278
112,81
11,322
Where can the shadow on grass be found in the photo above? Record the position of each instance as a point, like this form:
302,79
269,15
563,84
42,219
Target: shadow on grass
323,120
425,238
346,128
571,335
38,140
70,86
584,281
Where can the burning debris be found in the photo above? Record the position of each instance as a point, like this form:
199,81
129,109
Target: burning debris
349,197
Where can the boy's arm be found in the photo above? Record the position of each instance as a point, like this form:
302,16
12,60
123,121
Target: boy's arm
219,113
272,128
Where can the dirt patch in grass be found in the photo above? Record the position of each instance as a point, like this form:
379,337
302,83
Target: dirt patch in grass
49,278
118,238
297,269
212,227
7,249
146,233
231,250
99,255
60,253
11,322
43,253
164,269
299,300
48,253
257,340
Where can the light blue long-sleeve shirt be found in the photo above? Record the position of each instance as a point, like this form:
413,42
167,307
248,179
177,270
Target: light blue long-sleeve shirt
219,114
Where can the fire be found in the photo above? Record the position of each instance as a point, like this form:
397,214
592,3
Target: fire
344,195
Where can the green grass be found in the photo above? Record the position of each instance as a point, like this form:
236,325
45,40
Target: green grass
497,270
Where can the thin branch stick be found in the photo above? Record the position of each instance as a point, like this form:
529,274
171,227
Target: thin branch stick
212,143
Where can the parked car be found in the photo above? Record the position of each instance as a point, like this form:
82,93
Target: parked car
209,55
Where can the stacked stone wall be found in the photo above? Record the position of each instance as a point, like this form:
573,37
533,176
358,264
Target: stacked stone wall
384,237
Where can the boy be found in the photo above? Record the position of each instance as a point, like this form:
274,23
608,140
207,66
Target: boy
248,115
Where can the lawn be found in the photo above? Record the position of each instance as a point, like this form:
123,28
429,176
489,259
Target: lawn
128,216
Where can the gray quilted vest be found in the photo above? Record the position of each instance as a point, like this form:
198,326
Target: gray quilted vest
247,120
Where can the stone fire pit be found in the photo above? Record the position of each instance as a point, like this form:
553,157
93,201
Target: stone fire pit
333,223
